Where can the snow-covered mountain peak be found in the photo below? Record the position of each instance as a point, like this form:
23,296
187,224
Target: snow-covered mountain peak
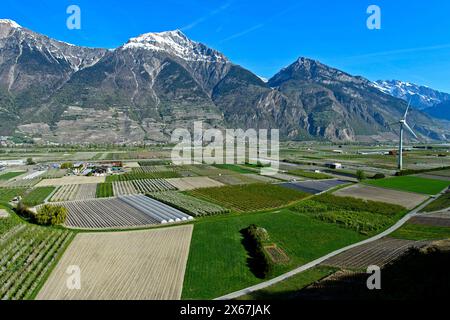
10,23
175,43
420,96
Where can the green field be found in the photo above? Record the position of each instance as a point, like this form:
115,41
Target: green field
419,232
104,190
37,196
411,184
217,262
289,288
253,197
441,203
7,194
235,168
10,175
365,217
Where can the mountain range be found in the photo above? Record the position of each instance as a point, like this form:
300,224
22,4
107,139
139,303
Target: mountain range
51,91
430,101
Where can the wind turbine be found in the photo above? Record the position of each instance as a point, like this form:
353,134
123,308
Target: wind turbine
403,124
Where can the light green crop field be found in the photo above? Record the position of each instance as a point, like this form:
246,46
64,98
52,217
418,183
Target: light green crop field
419,232
412,184
7,194
10,175
37,196
443,202
217,262
253,197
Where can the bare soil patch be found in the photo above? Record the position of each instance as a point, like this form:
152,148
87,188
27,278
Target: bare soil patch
408,200
138,265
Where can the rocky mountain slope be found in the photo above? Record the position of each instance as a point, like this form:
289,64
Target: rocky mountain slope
56,92
345,107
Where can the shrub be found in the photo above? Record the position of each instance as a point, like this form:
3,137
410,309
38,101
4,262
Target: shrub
360,175
24,211
67,165
259,261
379,176
49,215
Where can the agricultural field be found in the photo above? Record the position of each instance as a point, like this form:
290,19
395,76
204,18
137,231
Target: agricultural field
314,187
74,192
260,178
192,183
7,194
421,232
142,265
236,179
104,190
442,203
10,175
142,176
408,200
27,254
123,188
37,196
152,185
286,177
365,217
122,212
309,174
20,183
411,184
442,220
193,206
154,163
218,241
54,173
379,253
70,180
235,168
151,169
441,173
205,170
253,197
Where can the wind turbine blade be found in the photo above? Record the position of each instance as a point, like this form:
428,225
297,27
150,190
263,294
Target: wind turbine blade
407,109
410,130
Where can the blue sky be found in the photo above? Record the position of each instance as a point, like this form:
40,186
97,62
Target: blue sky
266,35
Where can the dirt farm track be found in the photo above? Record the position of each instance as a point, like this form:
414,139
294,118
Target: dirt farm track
135,265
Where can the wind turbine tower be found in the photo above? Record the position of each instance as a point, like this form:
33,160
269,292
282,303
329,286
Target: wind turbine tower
403,124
